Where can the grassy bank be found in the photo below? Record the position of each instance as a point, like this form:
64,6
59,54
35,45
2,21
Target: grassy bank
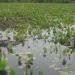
43,15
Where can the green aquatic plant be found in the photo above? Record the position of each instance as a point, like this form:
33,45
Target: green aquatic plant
64,62
19,61
10,47
45,51
20,36
0,53
72,42
31,72
67,52
12,72
41,72
29,58
3,65
63,39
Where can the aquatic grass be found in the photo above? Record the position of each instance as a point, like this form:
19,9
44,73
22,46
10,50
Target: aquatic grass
0,54
10,47
3,65
44,51
27,59
67,52
12,73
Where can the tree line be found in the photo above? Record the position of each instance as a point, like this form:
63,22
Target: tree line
39,1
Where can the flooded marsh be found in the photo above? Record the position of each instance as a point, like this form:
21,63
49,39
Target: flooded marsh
37,40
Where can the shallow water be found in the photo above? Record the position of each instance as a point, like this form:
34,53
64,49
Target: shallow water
51,64
42,63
